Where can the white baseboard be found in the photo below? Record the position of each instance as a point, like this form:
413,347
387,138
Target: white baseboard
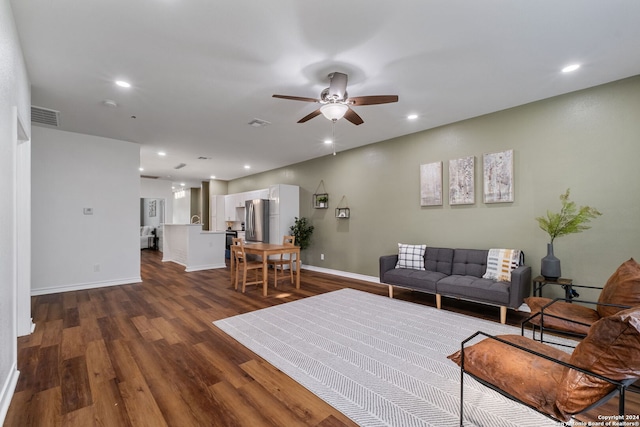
84,286
6,394
204,267
350,275
189,269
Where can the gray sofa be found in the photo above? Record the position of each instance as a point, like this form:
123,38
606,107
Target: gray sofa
457,273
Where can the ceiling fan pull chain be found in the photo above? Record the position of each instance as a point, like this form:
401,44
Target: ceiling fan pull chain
333,136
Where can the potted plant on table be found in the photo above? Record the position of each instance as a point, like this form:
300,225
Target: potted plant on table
322,201
569,220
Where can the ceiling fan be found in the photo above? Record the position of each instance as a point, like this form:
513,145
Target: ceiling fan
336,103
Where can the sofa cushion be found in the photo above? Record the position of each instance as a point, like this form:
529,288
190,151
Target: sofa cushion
415,279
439,259
411,256
563,309
622,288
469,262
510,368
472,287
611,349
500,263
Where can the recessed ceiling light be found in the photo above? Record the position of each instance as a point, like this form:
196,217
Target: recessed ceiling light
247,167
570,68
412,116
161,153
140,169
212,177
182,184
328,141
122,83
109,103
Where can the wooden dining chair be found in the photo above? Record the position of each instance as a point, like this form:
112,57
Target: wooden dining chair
244,264
284,259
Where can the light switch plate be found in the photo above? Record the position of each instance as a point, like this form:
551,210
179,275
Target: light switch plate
88,211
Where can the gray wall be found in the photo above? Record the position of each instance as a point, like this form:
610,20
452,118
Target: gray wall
587,141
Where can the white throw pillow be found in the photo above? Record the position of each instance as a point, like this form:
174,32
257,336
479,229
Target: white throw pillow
500,263
411,256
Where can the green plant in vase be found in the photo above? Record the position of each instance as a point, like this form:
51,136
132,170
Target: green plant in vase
322,200
569,220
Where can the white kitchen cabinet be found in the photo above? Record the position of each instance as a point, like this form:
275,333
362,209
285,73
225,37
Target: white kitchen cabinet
229,208
217,214
283,209
240,198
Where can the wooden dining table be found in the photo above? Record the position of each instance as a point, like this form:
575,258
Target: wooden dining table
265,250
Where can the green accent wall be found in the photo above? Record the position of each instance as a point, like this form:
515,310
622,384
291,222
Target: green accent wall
588,141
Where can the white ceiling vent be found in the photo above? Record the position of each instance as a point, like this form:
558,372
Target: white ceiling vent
180,166
149,176
45,116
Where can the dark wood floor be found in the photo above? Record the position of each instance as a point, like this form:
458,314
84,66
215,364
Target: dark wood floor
148,355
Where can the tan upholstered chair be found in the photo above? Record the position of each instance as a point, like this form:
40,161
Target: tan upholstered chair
243,264
621,291
604,364
284,259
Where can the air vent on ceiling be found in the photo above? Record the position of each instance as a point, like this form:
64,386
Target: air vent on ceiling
204,158
180,166
45,116
256,123
149,176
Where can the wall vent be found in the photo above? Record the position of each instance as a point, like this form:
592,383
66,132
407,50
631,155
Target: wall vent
45,116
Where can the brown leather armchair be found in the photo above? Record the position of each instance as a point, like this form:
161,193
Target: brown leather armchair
551,381
621,291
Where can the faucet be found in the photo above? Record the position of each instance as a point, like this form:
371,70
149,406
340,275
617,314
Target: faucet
195,219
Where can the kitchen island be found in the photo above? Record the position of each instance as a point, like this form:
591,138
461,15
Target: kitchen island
194,248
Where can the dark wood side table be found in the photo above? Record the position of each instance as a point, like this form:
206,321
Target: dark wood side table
540,282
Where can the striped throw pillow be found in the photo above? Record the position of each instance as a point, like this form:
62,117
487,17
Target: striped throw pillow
500,263
411,256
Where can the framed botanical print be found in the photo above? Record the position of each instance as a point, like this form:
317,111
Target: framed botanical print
462,181
431,184
497,169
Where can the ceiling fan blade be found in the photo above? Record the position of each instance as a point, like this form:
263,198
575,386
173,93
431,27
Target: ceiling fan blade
372,100
338,85
353,117
309,116
297,98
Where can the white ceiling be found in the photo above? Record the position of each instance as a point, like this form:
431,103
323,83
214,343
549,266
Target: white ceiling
201,70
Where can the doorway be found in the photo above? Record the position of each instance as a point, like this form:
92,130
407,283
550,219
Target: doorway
152,219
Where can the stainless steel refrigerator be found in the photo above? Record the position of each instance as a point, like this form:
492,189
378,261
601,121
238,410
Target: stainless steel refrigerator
256,221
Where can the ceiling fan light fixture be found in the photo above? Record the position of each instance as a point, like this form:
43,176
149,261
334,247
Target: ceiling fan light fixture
334,111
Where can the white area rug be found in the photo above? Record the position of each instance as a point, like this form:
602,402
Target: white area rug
379,361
